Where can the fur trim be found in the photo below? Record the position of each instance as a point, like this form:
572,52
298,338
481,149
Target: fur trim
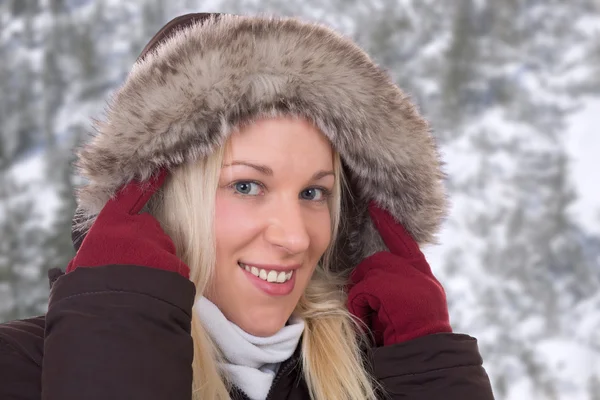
186,96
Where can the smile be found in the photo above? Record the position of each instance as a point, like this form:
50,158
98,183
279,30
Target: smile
270,276
273,280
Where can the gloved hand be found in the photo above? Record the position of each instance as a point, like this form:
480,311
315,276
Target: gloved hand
395,293
120,235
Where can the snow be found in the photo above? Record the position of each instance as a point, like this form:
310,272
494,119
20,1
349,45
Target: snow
569,359
573,363
584,146
31,173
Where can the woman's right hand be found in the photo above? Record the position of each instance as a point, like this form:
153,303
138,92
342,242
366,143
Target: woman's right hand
122,236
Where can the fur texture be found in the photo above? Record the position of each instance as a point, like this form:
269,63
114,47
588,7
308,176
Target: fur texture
188,94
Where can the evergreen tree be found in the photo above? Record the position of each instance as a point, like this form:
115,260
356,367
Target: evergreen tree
153,15
21,237
87,86
20,136
57,247
26,133
519,193
54,82
460,81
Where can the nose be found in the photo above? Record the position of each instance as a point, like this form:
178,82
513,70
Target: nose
287,228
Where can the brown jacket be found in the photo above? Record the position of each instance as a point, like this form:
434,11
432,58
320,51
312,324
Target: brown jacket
123,332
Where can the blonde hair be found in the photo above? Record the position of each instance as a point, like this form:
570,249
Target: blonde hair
332,362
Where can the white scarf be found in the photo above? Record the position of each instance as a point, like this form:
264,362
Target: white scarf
251,362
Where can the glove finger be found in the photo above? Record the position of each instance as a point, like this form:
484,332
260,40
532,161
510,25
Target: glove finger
394,235
134,196
364,307
359,307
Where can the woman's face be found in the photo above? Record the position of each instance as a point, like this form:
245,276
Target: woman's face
272,220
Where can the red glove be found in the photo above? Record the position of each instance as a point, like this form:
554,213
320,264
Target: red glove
120,235
395,293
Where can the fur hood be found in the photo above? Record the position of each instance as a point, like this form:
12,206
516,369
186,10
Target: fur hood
198,80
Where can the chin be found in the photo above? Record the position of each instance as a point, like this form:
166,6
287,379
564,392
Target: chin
261,325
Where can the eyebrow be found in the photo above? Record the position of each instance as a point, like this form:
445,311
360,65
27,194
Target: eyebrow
265,170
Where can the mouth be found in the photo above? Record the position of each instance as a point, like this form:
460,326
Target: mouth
268,275
273,282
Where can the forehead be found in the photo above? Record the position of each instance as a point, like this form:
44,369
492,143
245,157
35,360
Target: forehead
279,140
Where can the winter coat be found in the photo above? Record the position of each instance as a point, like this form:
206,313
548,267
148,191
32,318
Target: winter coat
200,77
132,325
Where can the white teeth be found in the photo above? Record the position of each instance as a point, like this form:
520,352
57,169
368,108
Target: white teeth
269,276
281,277
272,276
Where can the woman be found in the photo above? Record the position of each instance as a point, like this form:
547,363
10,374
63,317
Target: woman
249,230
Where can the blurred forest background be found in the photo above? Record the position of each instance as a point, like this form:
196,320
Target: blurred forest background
511,87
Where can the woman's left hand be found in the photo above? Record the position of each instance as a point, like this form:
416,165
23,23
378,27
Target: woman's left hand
395,293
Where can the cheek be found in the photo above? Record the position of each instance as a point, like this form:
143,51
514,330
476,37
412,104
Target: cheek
320,228
320,237
233,219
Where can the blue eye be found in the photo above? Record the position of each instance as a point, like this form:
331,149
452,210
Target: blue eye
315,194
247,188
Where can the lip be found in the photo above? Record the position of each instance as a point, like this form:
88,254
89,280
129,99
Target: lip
273,267
270,288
